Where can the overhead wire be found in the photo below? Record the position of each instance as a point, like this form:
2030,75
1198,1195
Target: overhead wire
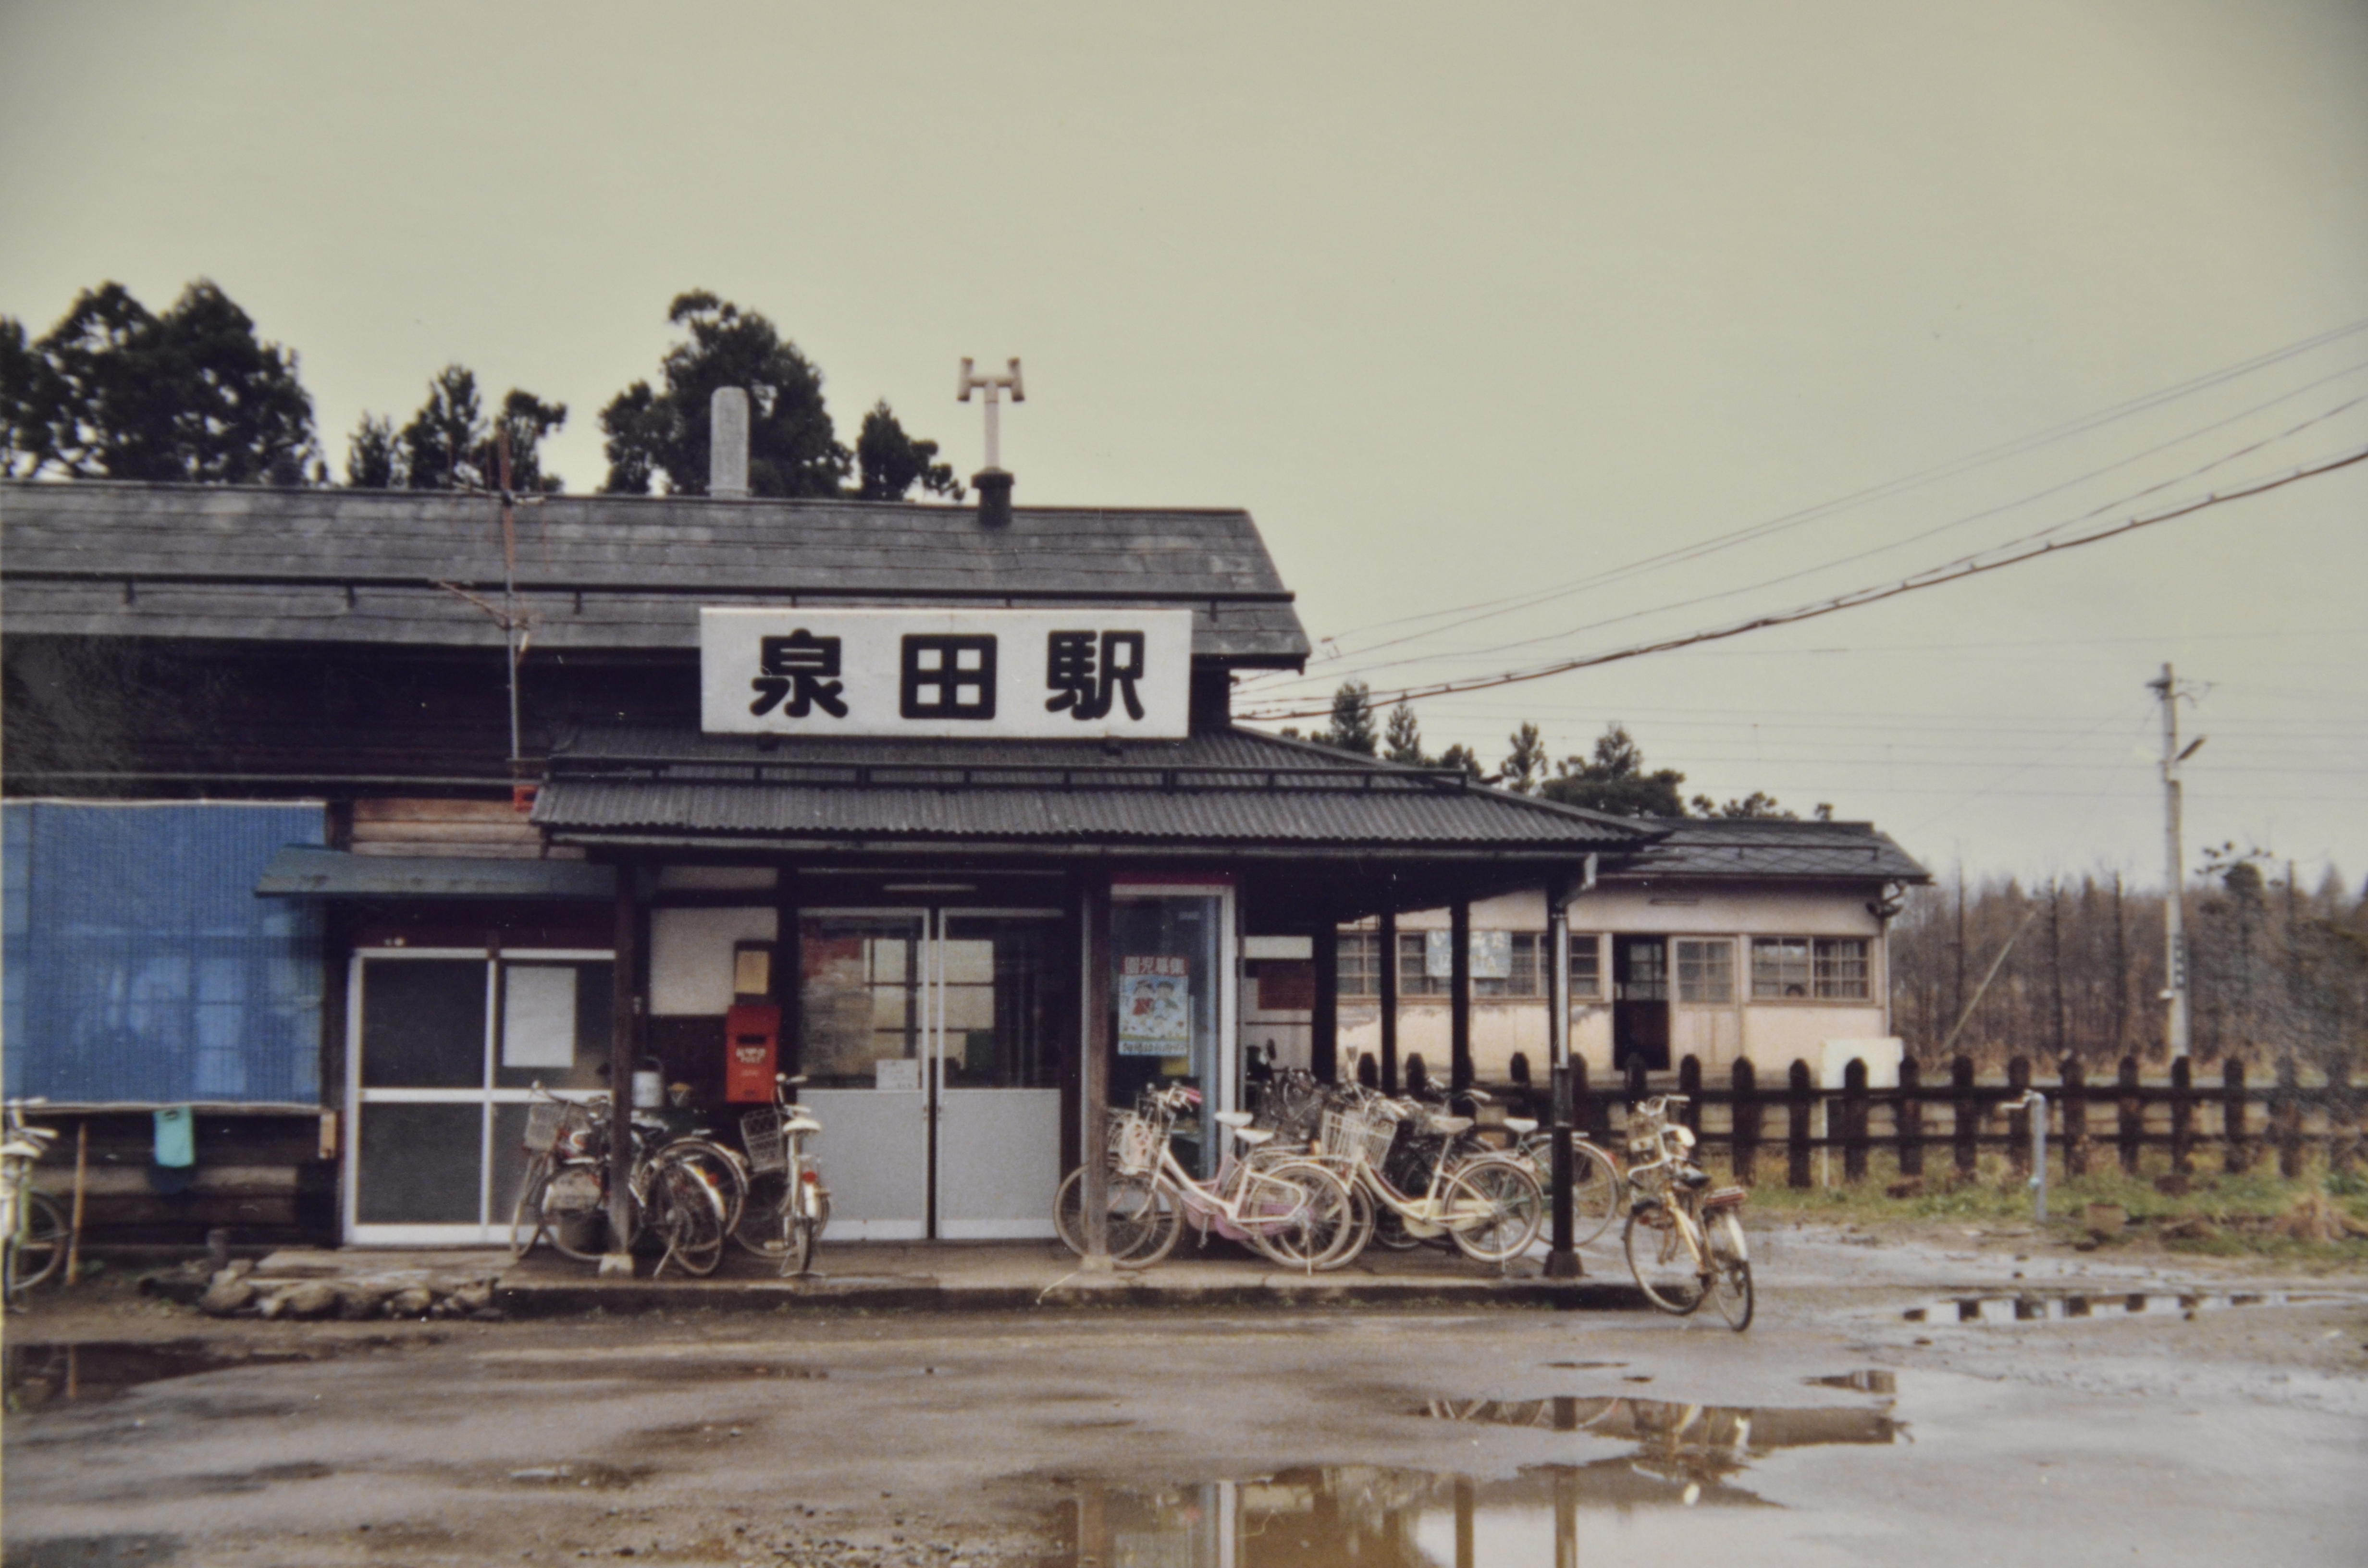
1933,577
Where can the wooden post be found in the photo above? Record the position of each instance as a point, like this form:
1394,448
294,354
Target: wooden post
1094,1046
1323,1018
1459,1001
1466,1514
1909,1119
1854,1119
82,1182
1689,1086
2076,1117
2017,1122
2130,1116
1802,1094
624,1006
1966,1118
2183,1115
2288,1118
2235,1154
1389,999
1637,1089
1744,1143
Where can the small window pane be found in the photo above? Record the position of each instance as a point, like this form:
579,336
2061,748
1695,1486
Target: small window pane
1361,966
1842,968
1585,967
1780,967
1706,972
1415,978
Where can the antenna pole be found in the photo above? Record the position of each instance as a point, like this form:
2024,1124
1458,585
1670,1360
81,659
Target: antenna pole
509,592
992,385
2174,989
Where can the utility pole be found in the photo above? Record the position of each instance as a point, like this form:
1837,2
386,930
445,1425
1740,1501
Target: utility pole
2174,969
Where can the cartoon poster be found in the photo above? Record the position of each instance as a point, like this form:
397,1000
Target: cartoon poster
1155,1005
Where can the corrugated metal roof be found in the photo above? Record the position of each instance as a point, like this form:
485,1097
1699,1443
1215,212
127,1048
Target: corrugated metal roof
303,871
106,558
1230,786
1764,847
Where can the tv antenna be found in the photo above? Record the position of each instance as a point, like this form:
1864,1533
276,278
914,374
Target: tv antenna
1008,381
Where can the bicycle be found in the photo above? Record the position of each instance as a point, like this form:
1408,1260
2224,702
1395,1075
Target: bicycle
1487,1205
1290,1211
1597,1191
1684,1239
788,1207
679,1191
33,1225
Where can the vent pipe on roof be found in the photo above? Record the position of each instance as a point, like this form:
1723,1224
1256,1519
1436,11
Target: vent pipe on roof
727,444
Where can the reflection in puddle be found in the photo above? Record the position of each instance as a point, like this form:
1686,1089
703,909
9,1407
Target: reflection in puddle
2034,1308
39,1373
1869,1381
1685,1456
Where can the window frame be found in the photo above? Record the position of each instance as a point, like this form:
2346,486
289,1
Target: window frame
1696,985
1819,973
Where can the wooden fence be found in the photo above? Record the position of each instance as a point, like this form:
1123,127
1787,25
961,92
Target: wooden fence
1940,1124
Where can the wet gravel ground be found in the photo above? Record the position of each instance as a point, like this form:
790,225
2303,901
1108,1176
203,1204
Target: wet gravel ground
1837,1430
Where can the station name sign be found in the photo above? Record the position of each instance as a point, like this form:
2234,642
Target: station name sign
939,674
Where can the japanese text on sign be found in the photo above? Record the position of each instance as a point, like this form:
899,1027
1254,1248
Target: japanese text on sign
943,672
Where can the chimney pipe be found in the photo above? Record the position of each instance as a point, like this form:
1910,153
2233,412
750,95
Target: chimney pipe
727,444
994,487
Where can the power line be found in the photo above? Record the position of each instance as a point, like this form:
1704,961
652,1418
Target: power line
1909,481
1951,572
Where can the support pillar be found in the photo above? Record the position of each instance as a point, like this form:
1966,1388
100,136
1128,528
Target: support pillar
1094,1045
625,1016
1459,986
1562,1256
1389,995
1323,1018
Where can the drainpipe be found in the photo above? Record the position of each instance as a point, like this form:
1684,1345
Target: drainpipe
1562,1257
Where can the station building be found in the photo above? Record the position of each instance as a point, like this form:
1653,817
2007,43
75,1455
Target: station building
347,818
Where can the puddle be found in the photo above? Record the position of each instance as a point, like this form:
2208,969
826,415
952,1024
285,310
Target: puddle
2033,1307
1587,1366
1869,1380
40,1373
584,1474
1715,1437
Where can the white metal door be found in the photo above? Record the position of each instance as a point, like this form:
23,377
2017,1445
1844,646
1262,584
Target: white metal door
864,1008
994,1072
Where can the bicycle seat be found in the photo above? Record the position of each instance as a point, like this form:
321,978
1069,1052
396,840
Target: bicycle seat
801,1124
1235,1118
1253,1136
1449,1126
1520,1126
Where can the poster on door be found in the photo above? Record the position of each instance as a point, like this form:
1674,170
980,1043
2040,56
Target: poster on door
1155,1005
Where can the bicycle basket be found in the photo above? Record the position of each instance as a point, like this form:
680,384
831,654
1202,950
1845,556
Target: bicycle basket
544,1120
1136,1146
768,1150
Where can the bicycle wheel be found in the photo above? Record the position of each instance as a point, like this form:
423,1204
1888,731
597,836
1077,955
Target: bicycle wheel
1596,1191
1389,1230
1662,1262
803,1231
526,1225
687,1215
40,1244
1296,1214
759,1230
583,1233
1493,1209
1365,1214
1146,1216
1730,1278
727,1172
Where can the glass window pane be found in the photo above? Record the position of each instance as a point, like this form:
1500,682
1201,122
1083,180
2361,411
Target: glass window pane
857,1001
590,1014
422,1023
1010,1031
1164,982
1706,972
421,1164
1585,967
1780,967
1842,968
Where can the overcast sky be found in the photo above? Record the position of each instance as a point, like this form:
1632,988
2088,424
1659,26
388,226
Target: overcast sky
1465,303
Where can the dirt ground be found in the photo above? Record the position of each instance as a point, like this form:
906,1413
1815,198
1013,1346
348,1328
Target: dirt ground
1864,1417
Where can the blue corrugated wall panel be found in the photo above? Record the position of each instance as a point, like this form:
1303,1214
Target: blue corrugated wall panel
139,966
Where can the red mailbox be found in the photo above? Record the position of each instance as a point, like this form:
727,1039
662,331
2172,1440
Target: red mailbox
752,1045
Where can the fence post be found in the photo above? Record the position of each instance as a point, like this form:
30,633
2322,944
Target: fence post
1689,1086
2076,1117
1909,1120
1745,1146
1966,1125
1801,1094
2017,1122
2288,1118
1854,1119
2183,1115
2131,1112
2236,1155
